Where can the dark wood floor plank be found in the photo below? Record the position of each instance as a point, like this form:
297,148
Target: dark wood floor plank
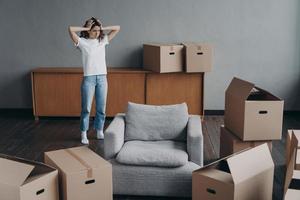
26,138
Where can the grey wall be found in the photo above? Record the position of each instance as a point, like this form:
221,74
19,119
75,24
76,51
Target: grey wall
257,40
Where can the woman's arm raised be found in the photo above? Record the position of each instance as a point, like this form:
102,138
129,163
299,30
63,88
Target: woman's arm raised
74,29
113,31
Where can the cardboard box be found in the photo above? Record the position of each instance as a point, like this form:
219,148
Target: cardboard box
198,57
252,113
293,190
242,176
288,147
82,173
292,177
22,179
230,143
163,58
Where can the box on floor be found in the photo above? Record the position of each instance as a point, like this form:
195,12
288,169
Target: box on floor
292,177
230,143
252,113
23,179
83,174
235,177
197,57
288,141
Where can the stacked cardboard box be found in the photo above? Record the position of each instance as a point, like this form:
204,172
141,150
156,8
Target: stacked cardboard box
292,177
188,57
241,176
252,114
198,57
28,180
82,174
230,143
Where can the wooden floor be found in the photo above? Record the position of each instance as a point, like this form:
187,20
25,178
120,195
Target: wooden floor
23,137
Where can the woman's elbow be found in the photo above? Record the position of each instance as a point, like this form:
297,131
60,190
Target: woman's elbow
70,29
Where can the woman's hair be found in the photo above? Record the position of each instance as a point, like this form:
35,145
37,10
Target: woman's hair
96,22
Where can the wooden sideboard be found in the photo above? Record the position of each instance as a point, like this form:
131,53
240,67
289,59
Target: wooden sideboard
56,90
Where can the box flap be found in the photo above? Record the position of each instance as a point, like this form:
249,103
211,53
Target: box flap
216,174
240,88
297,134
293,146
197,44
13,172
296,174
74,160
291,162
163,44
250,163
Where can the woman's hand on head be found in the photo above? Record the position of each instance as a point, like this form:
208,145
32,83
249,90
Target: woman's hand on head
90,24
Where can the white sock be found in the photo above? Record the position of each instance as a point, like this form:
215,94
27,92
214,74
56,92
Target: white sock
84,139
100,134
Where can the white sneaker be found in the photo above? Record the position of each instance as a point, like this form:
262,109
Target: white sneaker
100,135
84,139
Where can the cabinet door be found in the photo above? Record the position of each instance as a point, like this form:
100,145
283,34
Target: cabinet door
57,94
124,87
174,88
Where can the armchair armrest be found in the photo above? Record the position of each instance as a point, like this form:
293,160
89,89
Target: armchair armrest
195,140
114,136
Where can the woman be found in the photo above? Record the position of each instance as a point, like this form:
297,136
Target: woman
92,42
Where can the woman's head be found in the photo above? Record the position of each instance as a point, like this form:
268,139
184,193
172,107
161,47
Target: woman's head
95,31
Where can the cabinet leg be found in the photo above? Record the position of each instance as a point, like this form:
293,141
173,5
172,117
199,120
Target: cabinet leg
36,118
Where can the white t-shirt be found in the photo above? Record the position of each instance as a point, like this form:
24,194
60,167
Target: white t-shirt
93,55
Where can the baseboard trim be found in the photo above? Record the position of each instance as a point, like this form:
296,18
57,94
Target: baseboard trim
16,112
213,112
28,113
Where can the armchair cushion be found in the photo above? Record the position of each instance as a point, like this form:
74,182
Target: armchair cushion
149,122
153,153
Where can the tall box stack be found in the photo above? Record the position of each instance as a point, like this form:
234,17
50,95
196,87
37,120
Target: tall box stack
242,176
27,180
251,113
198,57
230,143
292,176
82,174
163,58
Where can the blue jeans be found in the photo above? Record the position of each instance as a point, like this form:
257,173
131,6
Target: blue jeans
90,85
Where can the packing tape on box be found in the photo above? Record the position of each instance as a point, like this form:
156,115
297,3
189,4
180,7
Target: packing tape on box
88,167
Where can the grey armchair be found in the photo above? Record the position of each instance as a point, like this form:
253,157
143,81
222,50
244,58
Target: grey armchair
133,179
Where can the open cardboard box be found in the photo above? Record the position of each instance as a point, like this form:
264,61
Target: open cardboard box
230,143
293,190
163,58
83,174
252,113
288,141
22,179
292,177
198,57
242,176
